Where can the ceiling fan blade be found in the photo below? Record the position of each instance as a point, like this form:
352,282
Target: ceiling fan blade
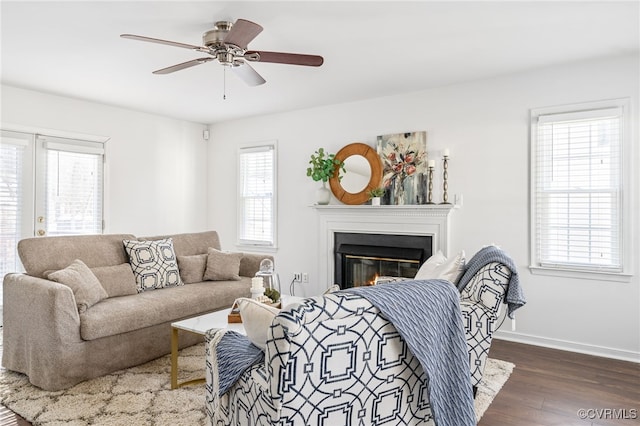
284,58
183,65
242,32
248,75
159,41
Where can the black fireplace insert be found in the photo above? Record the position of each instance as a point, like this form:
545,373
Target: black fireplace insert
361,258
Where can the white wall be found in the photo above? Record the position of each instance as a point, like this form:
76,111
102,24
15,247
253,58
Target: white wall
485,125
156,166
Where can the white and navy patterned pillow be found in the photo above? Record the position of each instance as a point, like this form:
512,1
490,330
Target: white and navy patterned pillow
154,264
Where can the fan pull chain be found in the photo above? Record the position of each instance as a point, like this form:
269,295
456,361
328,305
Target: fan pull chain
224,83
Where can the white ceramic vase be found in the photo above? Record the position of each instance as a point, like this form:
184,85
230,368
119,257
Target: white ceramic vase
375,201
323,195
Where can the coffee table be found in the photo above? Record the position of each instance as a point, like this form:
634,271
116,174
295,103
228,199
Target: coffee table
198,325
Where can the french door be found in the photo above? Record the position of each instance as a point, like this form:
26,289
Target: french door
48,186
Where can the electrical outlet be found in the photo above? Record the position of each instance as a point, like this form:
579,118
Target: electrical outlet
297,277
305,278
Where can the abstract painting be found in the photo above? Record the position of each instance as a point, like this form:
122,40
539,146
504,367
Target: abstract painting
404,160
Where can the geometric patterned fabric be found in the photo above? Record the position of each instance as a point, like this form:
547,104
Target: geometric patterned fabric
427,315
481,305
154,264
332,360
377,380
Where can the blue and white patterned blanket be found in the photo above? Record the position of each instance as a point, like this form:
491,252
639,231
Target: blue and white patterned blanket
427,315
514,298
234,353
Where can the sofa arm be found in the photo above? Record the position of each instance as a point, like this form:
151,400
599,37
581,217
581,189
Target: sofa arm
40,325
250,263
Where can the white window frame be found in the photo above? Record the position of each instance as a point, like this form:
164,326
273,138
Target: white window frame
626,189
46,144
253,245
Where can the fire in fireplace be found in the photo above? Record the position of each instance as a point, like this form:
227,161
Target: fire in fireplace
360,258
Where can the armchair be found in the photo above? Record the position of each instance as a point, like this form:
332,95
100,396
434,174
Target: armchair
333,360
489,281
336,360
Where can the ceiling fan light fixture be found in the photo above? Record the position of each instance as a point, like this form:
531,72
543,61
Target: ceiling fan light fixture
225,57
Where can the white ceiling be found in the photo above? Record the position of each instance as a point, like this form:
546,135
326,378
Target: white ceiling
371,49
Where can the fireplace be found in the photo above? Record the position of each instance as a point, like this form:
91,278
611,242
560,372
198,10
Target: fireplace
360,258
409,220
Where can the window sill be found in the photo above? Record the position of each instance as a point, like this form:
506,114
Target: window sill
591,275
256,248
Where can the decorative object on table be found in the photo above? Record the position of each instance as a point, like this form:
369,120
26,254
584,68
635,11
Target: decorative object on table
404,159
445,177
323,167
272,294
375,195
270,278
257,287
362,172
432,165
234,316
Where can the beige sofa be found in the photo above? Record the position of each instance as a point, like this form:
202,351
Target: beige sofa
45,336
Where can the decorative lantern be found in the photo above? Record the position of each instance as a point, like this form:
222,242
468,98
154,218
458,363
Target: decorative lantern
269,275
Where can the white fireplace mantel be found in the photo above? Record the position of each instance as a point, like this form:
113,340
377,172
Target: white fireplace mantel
429,220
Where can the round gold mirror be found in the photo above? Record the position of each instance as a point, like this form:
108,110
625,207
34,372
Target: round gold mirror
363,172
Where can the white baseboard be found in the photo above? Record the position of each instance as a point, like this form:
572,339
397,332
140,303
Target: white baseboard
567,345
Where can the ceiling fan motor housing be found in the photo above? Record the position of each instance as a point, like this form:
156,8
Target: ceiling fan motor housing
216,35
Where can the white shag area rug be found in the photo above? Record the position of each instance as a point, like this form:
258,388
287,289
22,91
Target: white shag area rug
142,395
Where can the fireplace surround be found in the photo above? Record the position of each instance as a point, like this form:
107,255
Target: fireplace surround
408,220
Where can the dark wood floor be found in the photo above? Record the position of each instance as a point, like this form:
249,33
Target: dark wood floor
547,388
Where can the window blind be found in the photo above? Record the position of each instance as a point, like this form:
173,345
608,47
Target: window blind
12,152
578,190
256,195
73,187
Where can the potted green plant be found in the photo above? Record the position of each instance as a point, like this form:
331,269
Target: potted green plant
323,167
375,194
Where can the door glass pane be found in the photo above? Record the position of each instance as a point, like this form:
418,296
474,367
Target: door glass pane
73,193
11,195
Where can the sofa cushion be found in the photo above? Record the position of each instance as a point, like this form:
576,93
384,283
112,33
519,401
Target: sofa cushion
190,244
192,268
86,288
222,266
154,264
250,263
117,280
53,253
256,318
128,313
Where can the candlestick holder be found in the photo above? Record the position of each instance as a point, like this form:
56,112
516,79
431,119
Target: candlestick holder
445,178
430,186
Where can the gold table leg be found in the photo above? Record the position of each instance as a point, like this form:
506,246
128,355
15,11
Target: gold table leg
174,358
174,363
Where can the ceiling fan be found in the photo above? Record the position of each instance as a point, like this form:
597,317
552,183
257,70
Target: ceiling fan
227,42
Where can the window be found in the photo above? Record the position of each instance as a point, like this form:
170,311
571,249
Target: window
72,186
256,198
577,188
